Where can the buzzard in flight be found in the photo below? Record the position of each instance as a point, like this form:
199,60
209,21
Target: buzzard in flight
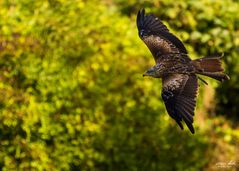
177,70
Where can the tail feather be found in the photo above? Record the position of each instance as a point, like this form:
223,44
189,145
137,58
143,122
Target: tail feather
211,66
215,56
216,75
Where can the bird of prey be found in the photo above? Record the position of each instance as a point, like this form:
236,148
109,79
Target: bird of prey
178,72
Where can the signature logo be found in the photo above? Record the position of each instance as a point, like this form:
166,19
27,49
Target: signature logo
229,164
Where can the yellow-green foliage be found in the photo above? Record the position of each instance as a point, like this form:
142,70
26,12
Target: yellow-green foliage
72,95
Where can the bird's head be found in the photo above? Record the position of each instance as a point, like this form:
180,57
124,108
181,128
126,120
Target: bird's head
152,72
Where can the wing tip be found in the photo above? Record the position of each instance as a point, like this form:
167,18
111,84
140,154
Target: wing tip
189,125
142,11
140,17
191,128
180,124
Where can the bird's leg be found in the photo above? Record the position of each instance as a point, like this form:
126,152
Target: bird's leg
202,80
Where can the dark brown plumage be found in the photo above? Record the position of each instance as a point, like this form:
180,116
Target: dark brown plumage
177,70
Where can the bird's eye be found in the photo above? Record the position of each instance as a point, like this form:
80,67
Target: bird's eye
157,66
151,70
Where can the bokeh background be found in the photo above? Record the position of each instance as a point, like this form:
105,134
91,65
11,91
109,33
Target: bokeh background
72,95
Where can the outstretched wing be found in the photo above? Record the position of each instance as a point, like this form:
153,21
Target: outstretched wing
179,94
157,36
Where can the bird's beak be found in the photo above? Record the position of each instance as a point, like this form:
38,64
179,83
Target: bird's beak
149,73
145,74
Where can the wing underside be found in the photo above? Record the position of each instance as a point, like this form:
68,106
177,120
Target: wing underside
157,36
179,94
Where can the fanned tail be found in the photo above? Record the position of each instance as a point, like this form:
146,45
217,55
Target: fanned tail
211,66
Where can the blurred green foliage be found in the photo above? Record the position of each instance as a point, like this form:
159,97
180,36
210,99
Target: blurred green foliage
73,96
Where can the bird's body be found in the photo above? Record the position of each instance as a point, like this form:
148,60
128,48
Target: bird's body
177,70
173,63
